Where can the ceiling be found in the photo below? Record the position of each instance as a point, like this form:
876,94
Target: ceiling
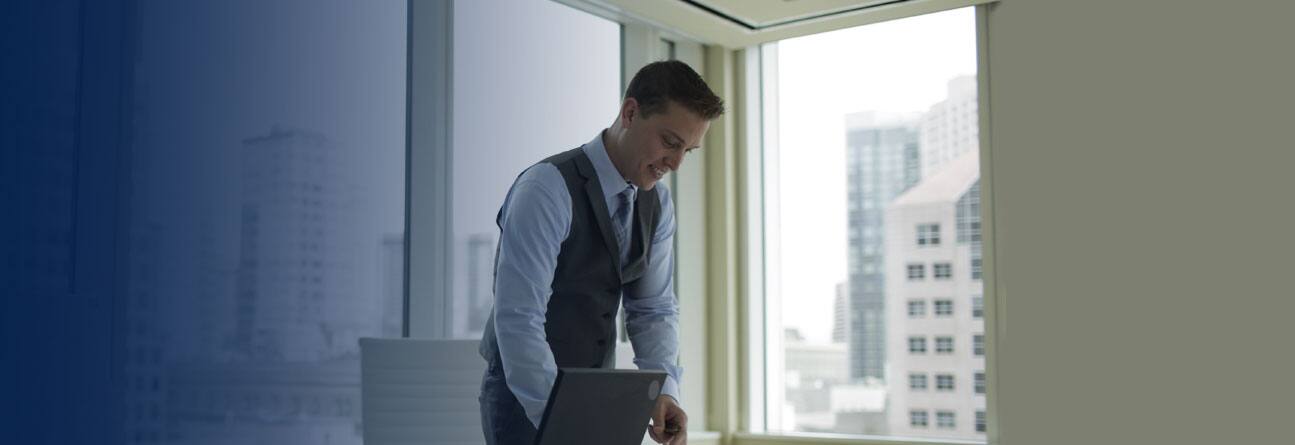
741,23
763,14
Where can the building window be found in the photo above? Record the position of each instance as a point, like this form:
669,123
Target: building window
980,421
944,420
980,382
943,308
917,381
916,308
975,268
916,271
943,271
944,382
977,307
917,418
978,344
917,345
943,345
928,234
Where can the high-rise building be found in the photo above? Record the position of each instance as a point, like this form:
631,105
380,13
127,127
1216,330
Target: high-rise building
935,352
840,313
882,161
391,273
296,295
472,308
950,127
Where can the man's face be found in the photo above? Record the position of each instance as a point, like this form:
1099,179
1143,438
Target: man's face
656,145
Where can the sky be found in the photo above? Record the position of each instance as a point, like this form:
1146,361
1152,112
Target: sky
897,66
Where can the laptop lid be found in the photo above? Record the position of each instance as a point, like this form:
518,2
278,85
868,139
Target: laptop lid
602,406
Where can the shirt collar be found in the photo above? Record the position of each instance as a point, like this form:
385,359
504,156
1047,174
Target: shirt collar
611,180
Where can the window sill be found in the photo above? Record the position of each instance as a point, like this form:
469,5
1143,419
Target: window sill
837,439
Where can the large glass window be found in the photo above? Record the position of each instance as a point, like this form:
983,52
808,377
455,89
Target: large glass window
872,138
515,62
267,215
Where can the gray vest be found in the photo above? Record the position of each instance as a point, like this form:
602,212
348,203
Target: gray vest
580,324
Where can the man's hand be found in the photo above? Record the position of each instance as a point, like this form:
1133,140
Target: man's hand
669,423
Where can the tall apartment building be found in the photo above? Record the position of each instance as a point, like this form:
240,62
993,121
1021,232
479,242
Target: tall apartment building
391,276
935,343
882,158
472,308
950,127
840,313
296,296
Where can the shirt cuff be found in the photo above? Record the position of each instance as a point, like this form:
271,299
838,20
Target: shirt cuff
671,388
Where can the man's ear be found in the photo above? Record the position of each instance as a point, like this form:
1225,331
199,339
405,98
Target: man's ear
629,111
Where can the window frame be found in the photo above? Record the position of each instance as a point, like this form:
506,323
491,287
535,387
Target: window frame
756,434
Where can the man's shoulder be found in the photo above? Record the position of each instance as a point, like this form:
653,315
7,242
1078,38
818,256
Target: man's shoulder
544,176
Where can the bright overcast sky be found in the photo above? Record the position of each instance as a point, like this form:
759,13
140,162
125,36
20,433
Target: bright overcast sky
900,66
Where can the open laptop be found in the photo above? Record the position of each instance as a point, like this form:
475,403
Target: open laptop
600,406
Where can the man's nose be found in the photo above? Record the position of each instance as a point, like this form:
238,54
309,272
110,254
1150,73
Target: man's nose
674,160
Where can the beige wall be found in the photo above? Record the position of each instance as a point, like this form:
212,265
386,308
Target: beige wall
1142,179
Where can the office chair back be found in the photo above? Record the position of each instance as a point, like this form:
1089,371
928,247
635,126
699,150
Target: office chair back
416,391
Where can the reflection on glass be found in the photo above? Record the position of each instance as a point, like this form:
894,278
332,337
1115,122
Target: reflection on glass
878,171
266,218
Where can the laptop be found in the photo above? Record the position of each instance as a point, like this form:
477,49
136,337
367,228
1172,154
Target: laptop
600,406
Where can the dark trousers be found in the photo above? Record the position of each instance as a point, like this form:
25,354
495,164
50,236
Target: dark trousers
503,420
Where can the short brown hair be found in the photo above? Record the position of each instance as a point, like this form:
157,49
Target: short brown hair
673,81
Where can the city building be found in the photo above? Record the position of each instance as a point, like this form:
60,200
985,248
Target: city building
883,160
936,364
296,279
950,127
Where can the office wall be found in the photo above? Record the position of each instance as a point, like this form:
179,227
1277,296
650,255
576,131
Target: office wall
1141,198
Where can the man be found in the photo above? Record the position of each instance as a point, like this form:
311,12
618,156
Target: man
580,233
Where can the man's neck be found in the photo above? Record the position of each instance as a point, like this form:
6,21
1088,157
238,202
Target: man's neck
613,150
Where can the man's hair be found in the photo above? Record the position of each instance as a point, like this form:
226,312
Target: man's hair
659,83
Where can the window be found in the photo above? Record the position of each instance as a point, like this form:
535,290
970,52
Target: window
282,229
978,345
916,308
943,271
943,308
917,381
916,272
943,345
928,234
879,159
944,382
975,268
547,38
977,307
980,421
917,418
944,420
980,382
917,345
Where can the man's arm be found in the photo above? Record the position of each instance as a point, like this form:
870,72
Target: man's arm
651,310
536,218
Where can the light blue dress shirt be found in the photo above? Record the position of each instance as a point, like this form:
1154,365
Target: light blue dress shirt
535,220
